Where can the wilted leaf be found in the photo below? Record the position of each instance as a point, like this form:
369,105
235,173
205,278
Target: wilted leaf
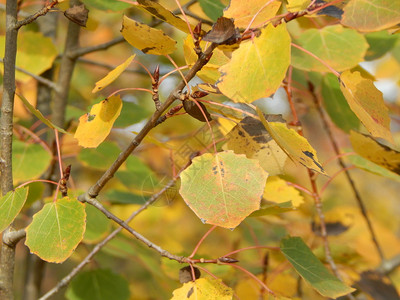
258,67
250,137
311,269
112,75
160,12
244,11
296,146
336,105
35,53
341,48
371,15
97,225
378,286
148,40
277,190
77,14
10,206
223,188
185,274
29,161
203,289
98,284
95,126
193,110
212,8
367,103
378,153
223,31
56,229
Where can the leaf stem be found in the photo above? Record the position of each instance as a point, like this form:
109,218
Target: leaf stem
201,240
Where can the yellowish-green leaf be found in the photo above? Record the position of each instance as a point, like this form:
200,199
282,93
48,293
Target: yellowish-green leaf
243,12
223,188
367,103
297,5
258,67
56,229
112,75
203,289
95,126
371,15
97,225
379,154
277,190
10,206
296,146
341,48
35,53
148,40
250,137
160,12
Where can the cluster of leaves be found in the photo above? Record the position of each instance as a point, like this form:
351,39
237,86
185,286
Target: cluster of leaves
241,170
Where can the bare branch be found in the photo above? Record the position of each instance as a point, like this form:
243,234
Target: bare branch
36,15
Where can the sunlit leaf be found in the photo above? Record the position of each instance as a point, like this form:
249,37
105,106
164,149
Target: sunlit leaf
223,188
367,103
270,208
212,8
95,126
336,105
258,67
243,12
10,206
371,15
341,48
311,269
203,289
112,75
277,190
250,137
378,153
29,161
297,5
35,53
148,40
296,146
114,5
98,284
100,158
56,229
97,225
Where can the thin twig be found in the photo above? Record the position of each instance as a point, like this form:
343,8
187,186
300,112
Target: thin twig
36,15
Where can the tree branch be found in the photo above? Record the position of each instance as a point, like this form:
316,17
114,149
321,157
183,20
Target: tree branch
36,15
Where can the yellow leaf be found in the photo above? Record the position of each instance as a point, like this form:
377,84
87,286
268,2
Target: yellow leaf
203,289
297,5
377,153
243,12
366,101
95,126
112,75
258,67
278,191
147,39
296,146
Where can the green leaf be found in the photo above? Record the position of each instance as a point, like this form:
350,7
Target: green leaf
98,284
29,161
258,67
311,269
223,188
10,206
100,158
56,229
371,15
113,5
131,113
271,208
380,43
97,225
336,104
341,48
123,197
212,8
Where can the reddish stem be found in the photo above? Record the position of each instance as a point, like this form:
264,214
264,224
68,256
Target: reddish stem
201,240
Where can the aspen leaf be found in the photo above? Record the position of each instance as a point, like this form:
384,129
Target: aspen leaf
372,15
297,5
266,58
224,188
243,12
97,225
212,8
112,75
311,269
203,289
367,103
379,154
341,48
148,40
100,158
10,206
250,137
278,191
95,126
295,146
56,229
